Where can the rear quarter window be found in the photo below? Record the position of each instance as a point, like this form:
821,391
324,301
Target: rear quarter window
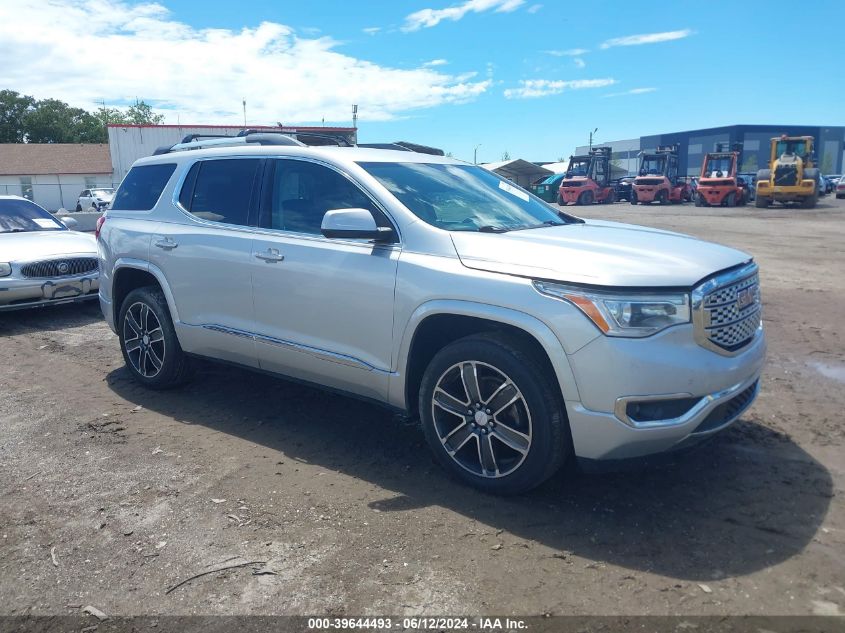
142,187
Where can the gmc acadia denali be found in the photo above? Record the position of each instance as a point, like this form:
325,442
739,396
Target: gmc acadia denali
521,337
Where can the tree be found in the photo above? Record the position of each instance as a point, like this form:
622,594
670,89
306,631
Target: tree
749,165
827,163
54,121
111,115
13,109
142,114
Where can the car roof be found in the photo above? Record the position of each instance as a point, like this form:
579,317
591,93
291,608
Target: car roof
329,153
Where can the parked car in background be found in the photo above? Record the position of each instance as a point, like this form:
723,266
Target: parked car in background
834,178
520,335
840,189
547,188
95,199
830,187
624,188
43,262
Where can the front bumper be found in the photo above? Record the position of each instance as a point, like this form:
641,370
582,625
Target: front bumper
611,372
19,294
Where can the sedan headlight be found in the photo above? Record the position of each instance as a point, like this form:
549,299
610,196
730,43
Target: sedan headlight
629,314
5,269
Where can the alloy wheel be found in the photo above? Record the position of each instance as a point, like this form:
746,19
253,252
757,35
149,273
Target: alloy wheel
143,340
482,419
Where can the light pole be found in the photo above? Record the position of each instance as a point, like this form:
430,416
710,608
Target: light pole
591,138
475,154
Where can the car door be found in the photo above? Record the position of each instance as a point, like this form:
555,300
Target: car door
323,307
205,253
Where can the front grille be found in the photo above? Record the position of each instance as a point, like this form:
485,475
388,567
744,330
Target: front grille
60,267
648,181
786,175
728,314
729,410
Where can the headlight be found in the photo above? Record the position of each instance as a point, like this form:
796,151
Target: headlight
631,315
5,269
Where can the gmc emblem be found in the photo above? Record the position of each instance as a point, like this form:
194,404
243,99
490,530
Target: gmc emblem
745,298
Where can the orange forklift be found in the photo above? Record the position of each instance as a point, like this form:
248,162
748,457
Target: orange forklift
658,179
587,179
718,184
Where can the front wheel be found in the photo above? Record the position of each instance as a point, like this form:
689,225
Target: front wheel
662,197
492,414
585,198
560,200
633,198
148,340
761,203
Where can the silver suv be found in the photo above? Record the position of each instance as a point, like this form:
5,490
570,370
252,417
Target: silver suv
520,336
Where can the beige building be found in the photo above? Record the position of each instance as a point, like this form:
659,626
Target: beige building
53,174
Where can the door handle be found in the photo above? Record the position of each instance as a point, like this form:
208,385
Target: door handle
271,255
166,243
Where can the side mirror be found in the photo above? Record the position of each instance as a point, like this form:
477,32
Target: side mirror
354,224
69,222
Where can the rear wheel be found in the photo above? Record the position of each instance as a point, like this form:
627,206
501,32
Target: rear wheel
78,207
610,198
699,200
492,415
761,203
809,202
662,197
633,198
148,340
730,200
560,200
586,198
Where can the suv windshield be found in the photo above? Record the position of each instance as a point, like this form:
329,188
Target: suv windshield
19,216
716,164
463,197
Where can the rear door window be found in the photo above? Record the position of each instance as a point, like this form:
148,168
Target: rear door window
142,187
221,190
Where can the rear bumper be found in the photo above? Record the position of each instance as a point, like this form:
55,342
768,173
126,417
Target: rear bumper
714,195
20,294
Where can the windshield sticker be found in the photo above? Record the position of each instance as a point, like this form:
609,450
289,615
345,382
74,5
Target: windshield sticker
514,191
46,223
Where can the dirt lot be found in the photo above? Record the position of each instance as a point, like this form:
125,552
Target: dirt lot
110,494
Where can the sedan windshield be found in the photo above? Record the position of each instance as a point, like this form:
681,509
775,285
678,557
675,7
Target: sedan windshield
464,197
18,216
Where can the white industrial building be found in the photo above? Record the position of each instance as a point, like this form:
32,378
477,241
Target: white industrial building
53,174
128,143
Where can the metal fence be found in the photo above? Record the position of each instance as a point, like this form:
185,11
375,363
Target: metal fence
53,196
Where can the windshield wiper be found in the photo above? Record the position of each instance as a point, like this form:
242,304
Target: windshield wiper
543,225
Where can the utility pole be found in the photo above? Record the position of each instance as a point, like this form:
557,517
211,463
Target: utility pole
244,103
591,138
475,154
355,116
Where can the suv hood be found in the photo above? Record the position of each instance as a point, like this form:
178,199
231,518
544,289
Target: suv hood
597,253
35,245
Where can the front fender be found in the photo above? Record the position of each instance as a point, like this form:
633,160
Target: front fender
525,322
155,271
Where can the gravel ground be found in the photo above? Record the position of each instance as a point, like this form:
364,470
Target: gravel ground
110,495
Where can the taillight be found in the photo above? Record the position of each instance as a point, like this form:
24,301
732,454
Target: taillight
100,221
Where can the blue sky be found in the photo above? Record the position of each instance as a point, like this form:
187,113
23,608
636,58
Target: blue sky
522,76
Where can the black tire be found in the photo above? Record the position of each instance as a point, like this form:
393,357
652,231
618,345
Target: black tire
662,197
550,440
809,202
175,367
699,200
730,200
633,198
585,198
78,207
560,200
761,203
610,198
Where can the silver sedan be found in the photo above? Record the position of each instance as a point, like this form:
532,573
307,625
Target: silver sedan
42,262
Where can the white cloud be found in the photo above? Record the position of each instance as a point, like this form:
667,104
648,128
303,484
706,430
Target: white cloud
534,8
580,63
532,88
646,38
572,52
435,62
426,18
371,30
85,51
633,91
